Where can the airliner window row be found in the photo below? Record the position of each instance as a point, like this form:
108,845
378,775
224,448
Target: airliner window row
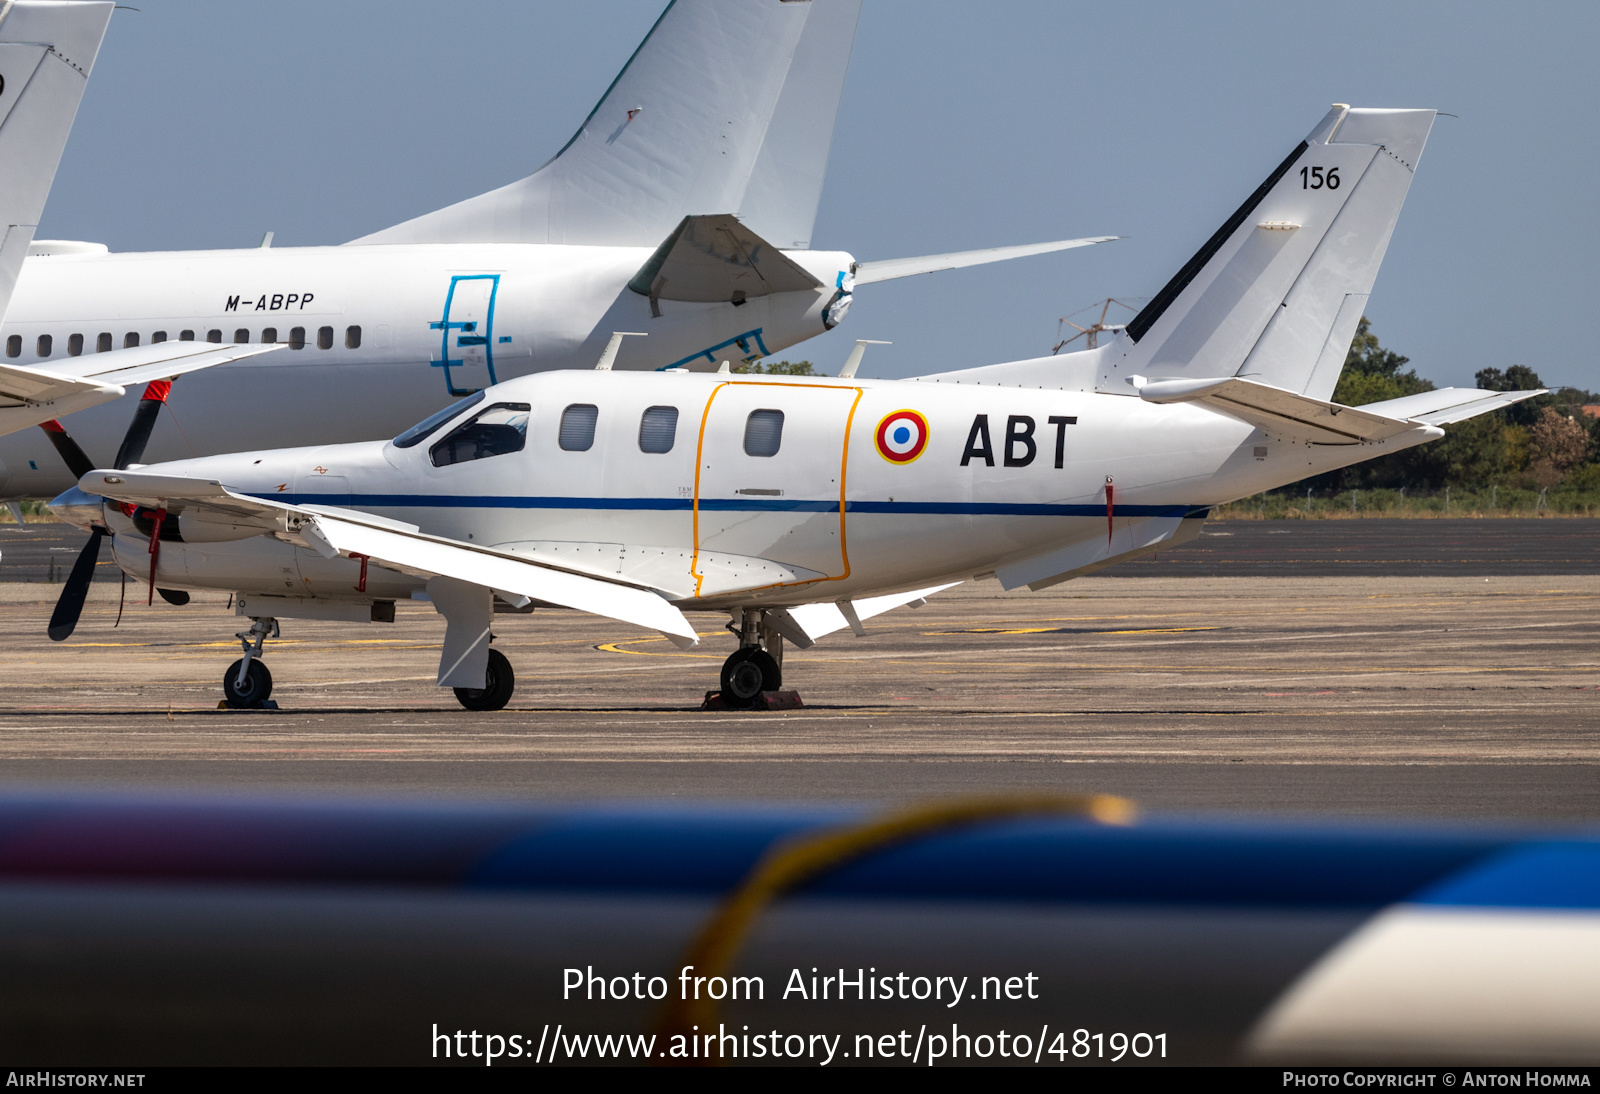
45,345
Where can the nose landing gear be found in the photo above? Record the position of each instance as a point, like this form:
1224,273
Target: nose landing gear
499,682
248,683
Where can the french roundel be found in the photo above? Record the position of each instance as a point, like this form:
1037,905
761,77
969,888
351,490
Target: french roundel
902,436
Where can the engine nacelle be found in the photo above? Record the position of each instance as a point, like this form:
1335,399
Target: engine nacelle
259,565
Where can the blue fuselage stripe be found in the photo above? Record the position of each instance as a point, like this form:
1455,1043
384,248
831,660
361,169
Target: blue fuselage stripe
728,505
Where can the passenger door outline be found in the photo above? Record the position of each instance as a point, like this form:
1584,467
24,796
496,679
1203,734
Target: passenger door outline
468,337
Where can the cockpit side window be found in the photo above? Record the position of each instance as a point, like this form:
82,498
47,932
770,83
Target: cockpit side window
419,432
501,429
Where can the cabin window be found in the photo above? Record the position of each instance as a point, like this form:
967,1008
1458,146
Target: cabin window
241,336
577,427
14,346
500,430
186,336
213,336
103,343
75,345
324,337
658,429
45,345
433,421
130,339
352,338
763,433
297,338
269,335
158,336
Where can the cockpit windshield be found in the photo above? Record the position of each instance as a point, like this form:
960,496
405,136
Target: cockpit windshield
417,433
500,430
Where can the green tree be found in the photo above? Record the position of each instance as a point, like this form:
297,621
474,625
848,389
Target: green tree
1516,378
1372,374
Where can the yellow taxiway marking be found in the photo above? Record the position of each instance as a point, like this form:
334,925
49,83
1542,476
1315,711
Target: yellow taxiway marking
1054,630
616,647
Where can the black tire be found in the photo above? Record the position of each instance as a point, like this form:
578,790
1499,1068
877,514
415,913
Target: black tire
257,685
747,673
499,683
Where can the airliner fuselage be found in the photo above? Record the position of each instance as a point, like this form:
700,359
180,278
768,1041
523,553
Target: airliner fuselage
377,336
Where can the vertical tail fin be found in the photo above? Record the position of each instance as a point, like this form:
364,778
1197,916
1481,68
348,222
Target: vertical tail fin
46,53
724,108
1276,293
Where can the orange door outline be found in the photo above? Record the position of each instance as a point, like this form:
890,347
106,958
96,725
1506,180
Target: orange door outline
844,464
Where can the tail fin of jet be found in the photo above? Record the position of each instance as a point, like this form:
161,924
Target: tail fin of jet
1275,295
46,53
724,108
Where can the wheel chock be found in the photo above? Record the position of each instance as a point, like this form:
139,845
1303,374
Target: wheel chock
767,700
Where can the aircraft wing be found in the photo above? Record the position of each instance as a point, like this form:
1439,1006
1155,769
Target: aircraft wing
1323,422
398,546
887,269
805,624
30,395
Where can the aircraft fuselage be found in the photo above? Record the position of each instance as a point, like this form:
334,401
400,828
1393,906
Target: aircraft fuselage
871,486
378,336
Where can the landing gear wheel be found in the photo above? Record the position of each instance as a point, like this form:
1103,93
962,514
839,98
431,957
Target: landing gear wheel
257,685
747,673
498,685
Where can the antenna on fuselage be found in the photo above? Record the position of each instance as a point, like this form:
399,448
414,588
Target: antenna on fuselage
853,362
610,355
266,240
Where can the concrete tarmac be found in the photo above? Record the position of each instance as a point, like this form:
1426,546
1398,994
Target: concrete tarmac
1378,695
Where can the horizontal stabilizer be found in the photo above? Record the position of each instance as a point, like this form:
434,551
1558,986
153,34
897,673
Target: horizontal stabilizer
1284,411
391,544
715,259
1449,404
808,622
30,395
887,269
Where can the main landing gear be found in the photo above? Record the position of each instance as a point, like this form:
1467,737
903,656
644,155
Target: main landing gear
499,683
752,676
248,683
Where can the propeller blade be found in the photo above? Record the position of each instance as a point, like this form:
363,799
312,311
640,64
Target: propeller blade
75,458
64,620
144,420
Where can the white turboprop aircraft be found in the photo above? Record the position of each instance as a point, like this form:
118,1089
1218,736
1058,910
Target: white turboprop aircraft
803,506
682,209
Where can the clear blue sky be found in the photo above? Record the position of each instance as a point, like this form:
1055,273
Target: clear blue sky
963,125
